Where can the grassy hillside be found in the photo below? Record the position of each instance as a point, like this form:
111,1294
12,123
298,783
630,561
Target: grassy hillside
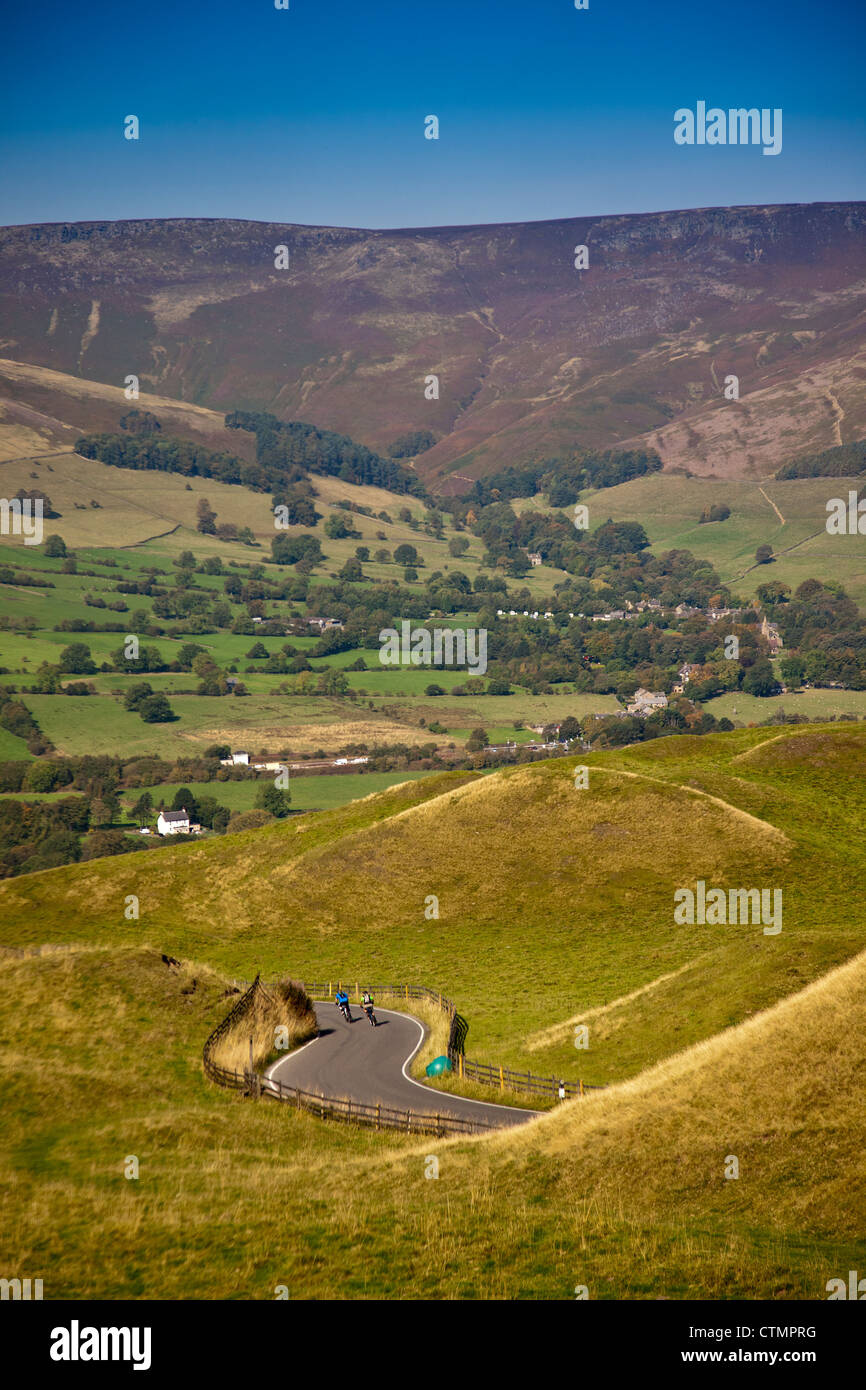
555,904
533,358
623,1193
669,508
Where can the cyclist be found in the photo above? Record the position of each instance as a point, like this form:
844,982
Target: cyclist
343,1002
367,1006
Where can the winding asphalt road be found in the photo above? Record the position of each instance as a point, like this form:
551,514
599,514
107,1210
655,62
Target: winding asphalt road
371,1065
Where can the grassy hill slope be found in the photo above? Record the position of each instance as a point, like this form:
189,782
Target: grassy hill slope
623,1193
554,903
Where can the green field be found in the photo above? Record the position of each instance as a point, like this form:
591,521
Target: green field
12,748
814,704
308,792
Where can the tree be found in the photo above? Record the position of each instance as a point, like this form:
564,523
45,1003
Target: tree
337,527
433,689
406,554
809,589
774,592
103,810
272,799
292,550
136,693
457,546
143,808
206,523
77,660
258,652
187,655
498,686
55,547
41,777
47,679
760,679
184,800
156,710
793,669
139,422
351,573
763,554
105,842
476,740
214,683
719,511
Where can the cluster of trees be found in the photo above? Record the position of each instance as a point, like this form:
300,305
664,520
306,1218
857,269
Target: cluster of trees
35,494
563,479
303,551
719,511
824,634
170,455
292,448
597,470
21,578
509,538
842,461
137,421
297,498
412,443
207,525
153,706
42,834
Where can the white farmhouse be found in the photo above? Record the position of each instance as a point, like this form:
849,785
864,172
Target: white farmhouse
173,823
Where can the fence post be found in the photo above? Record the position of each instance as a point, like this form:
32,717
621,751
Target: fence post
330,988
408,1121
460,1065
357,990
406,987
501,1080
378,1114
580,1083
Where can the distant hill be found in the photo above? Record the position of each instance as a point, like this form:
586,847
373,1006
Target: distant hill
534,358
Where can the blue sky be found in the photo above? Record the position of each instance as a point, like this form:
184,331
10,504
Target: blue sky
316,114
